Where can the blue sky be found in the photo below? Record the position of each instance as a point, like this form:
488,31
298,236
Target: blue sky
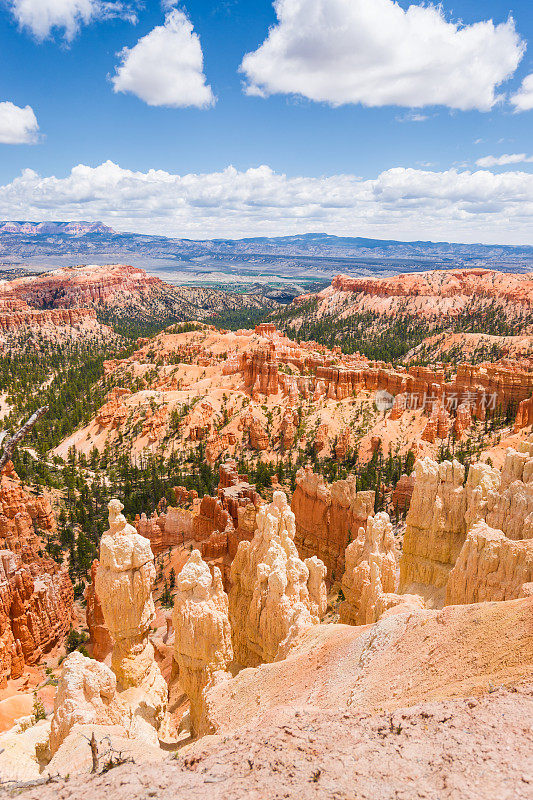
333,127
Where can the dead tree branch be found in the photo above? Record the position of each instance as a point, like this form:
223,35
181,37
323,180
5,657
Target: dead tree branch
9,447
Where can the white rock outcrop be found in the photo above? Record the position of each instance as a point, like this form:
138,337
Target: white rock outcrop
274,595
124,581
86,693
371,572
202,647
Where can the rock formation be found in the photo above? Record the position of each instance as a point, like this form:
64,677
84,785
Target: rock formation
123,585
370,573
86,693
26,316
101,641
171,528
491,567
344,444
435,526
524,415
202,647
328,517
403,491
273,594
36,595
69,286
444,509
258,437
428,293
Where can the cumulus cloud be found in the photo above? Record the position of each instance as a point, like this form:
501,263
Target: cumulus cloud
376,53
41,17
503,161
17,125
523,99
398,203
165,67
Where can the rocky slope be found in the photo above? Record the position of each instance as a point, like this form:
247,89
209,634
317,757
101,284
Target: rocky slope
258,392
475,748
426,294
120,291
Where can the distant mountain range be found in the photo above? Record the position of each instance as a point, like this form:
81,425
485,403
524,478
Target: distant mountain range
297,263
59,228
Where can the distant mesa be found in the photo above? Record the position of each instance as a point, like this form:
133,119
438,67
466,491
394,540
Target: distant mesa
56,228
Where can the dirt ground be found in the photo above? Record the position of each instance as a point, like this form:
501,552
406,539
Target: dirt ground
479,748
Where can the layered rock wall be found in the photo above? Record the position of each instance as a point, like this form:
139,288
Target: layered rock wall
328,517
36,595
30,317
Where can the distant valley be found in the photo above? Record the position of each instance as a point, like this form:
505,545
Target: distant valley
282,266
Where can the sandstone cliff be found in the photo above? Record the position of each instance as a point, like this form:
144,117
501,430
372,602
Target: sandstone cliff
36,595
328,517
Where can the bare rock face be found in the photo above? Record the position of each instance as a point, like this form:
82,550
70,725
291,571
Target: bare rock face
438,424
371,564
124,581
524,415
20,515
258,436
86,693
101,641
490,566
436,526
444,509
274,595
510,508
403,491
344,444
172,527
203,647
328,517
36,595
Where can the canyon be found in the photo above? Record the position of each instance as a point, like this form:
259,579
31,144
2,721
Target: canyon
325,559
258,391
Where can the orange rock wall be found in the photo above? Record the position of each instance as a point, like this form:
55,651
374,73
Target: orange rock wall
328,518
36,595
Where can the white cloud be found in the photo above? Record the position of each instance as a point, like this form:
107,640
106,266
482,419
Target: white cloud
413,116
41,17
523,99
504,160
17,125
165,67
375,53
398,203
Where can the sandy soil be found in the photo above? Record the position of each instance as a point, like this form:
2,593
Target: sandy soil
468,749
